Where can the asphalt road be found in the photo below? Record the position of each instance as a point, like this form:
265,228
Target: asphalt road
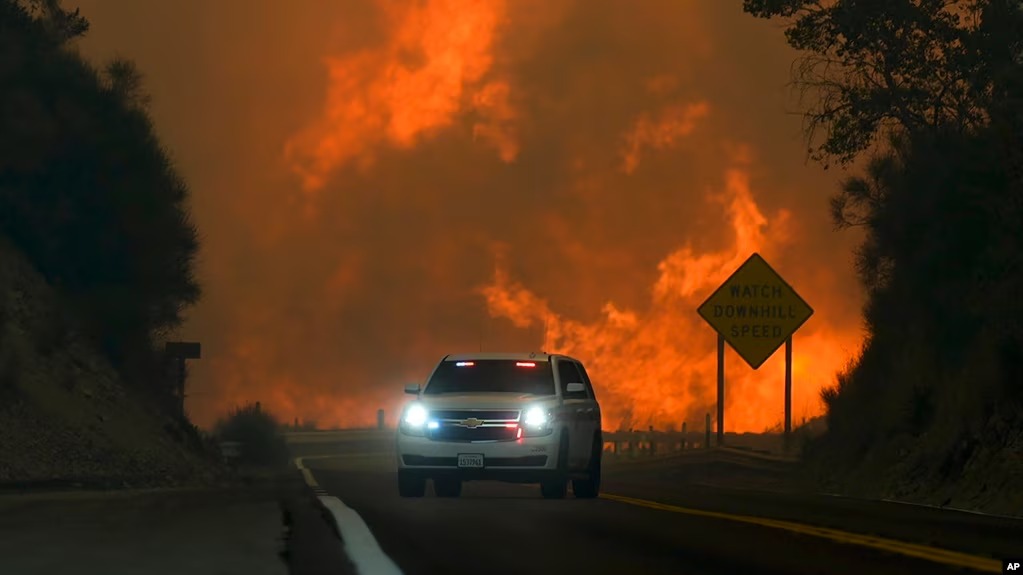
674,517
153,532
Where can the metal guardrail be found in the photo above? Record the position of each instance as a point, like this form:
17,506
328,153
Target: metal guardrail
630,443
651,442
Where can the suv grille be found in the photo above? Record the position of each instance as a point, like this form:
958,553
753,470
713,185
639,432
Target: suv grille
490,425
486,415
455,433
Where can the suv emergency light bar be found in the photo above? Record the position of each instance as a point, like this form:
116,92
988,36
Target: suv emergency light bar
517,364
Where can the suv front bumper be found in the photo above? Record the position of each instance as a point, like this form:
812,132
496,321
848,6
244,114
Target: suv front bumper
529,459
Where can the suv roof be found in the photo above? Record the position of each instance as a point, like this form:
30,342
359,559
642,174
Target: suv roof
524,355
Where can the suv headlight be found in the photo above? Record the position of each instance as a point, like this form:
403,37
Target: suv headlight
536,421
413,420
535,417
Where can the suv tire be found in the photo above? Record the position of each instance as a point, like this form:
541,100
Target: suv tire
411,485
557,486
590,487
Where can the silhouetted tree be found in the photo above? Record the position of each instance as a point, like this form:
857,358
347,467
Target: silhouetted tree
941,204
872,65
125,79
59,24
87,191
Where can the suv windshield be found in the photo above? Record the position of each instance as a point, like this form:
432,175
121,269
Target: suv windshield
492,376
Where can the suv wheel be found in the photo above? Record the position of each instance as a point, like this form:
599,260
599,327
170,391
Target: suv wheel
590,487
411,485
557,487
447,487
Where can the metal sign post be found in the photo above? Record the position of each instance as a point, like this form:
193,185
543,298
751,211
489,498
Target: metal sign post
755,311
788,391
181,351
721,390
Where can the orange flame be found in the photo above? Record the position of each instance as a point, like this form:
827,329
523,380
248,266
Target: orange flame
437,70
660,133
658,367
432,68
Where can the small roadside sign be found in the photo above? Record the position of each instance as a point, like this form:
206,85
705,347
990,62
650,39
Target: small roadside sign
180,351
755,311
183,349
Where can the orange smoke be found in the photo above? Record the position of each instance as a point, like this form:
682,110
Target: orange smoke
660,133
433,66
322,305
250,371
658,367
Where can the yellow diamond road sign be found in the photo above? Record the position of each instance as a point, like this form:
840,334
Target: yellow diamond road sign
755,310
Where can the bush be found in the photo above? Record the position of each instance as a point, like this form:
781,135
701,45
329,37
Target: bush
258,432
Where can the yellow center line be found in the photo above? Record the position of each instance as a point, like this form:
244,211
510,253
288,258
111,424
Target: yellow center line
347,456
933,554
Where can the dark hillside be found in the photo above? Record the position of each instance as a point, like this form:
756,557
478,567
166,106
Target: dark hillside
96,266
88,193
65,416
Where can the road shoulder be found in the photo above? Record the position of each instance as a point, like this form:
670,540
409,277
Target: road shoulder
269,525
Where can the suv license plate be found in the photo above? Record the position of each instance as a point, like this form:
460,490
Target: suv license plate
470,460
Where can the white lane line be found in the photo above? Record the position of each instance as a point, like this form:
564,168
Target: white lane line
359,544
953,509
927,505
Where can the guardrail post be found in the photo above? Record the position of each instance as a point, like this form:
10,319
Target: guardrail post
653,442
380,419
632,444
685,437
707,440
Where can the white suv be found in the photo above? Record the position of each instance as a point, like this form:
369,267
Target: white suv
522,417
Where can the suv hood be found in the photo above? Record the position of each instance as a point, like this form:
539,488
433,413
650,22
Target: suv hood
481,400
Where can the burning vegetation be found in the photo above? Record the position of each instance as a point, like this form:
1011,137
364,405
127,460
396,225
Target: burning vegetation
658,366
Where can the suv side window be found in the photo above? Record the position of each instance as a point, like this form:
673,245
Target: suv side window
586,382
568,372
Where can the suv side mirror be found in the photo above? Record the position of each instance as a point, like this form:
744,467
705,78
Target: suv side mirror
575,388
412,388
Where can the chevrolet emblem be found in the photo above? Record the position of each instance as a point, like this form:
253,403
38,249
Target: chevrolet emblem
472,422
